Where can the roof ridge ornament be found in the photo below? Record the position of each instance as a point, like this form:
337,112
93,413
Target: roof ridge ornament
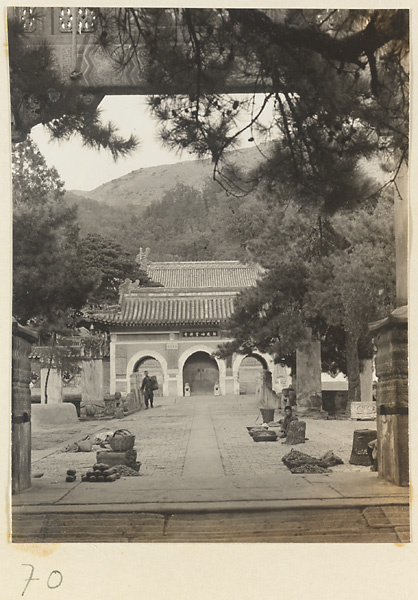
142,258
128,286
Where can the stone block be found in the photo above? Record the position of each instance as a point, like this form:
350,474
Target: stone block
111,458
363,411
54,414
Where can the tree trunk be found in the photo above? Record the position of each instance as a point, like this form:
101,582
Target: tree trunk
353,369
51,358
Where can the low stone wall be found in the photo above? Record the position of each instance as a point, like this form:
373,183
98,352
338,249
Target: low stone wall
54,414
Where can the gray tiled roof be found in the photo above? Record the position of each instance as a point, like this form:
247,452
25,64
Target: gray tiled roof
192,293
214,274
140,310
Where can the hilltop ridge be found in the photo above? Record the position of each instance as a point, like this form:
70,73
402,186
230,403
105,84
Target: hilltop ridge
146,185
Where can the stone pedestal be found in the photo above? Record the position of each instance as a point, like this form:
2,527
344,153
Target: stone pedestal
365,410
308,378
391,338
21,408
54,387
92,396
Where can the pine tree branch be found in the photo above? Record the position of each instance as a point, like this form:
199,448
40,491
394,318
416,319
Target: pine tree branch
383,27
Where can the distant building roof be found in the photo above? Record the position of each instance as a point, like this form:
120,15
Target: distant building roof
191,293
206,274
170,310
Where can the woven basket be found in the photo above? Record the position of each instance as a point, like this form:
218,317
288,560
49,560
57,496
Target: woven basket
122,443
267,414
265,436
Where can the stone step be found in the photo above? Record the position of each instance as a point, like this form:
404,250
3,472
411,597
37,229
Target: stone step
326,525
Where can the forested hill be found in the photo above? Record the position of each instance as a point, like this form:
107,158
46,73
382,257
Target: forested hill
187,224
145,186
178,211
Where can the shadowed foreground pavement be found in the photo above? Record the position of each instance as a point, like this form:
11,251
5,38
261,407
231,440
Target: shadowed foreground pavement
205,480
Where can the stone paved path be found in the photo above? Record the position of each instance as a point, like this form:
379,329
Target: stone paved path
202,456
177,434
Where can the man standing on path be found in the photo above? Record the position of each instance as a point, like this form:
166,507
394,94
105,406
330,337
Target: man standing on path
146,387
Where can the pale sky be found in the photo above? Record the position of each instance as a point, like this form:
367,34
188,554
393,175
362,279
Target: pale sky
85,168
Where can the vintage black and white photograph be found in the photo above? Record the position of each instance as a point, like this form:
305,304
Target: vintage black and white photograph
210,275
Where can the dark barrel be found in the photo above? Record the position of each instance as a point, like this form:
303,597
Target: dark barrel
359,454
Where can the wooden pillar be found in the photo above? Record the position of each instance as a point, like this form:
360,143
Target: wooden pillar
308,377
22,337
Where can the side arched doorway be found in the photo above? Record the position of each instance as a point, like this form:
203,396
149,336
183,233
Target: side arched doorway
154,368
250,374
201,372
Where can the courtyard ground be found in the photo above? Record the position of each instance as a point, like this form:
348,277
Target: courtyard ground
203,478
163,436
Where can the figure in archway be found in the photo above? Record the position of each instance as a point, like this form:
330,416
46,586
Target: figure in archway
147,389
155,372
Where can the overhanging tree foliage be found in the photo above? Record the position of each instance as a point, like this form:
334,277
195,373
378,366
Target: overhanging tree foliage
334,81
39,94
334,84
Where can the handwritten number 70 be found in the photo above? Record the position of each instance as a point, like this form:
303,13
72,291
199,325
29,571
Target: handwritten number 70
53,582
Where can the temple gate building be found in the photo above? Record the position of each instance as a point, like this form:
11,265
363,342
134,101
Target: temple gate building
172,331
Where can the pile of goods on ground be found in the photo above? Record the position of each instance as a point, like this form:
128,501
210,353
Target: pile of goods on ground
299,462
71,475
111,464
101,472
125,471
119,441
262,434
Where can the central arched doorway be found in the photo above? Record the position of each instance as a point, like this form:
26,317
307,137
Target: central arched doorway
201,372
250,374
154,368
